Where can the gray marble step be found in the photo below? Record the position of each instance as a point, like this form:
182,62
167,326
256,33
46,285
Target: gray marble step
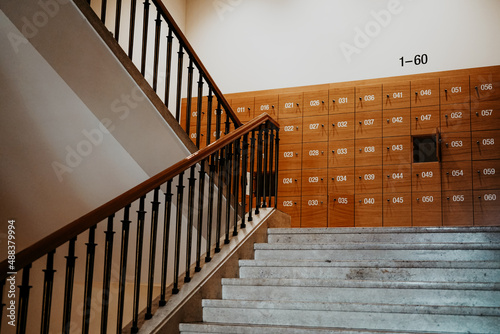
354,315
386,234
333,291
370,251
199,328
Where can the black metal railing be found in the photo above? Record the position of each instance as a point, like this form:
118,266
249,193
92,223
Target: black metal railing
155,59
95,263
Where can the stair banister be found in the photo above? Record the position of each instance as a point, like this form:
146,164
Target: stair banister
210,155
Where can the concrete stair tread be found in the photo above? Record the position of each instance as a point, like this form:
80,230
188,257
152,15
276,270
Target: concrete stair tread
379,246
223,328
463,311
385,230
361,284
372,264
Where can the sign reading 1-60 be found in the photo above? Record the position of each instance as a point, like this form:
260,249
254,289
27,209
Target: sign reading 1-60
416,60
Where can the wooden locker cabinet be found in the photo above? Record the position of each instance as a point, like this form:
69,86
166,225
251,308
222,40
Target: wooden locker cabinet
243,107
369,124
290,105
396,209
486,207
396,122
340,180
455,146
341,126
454,89
396,178
290,156
396,95
290,131
314,182
368,152
486,174
397,150
341,210
485,87
455,118
315,128
341,153
290,183
266,104
485,145
368,98
368,210
485,116
314,155
457,208
368,180
424,92
424,120
426,208
291,206
426,176
341,100
314,211
316,103
456,175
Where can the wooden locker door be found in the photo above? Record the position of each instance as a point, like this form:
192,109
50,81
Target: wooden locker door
290,105
457,208
368,98
316,103
485,116
486,207
396,209
368,210
341,100
424,92
426,208
341,210
291,206
454,89
314,211
455,118
396,122
396,95
456,175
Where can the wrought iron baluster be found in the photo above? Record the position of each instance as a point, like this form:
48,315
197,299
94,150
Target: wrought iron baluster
103,11
24,295
179,84
199,111
145,22
118,15
155,204
259,171
138,264
157,49
277,148
166,236
168,67
189,96
48,284
271,156
192,182
218,122
209,116
220,189
68,286
133,9
236,183
227,173
106,278
180,195
123,267
264,171
89,278
199,228
244,168
250,191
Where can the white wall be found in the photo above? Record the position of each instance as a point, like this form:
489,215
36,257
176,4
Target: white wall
262,44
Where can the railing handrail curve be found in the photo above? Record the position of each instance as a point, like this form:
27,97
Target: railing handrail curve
180,35
73,229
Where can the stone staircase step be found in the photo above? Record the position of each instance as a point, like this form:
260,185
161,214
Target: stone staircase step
354,315
387,234
422,271
335,291
366,251
199,328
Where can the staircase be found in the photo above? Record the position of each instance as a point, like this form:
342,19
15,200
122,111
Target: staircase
363,280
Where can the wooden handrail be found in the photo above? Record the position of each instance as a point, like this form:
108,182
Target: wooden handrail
183,40
73,229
